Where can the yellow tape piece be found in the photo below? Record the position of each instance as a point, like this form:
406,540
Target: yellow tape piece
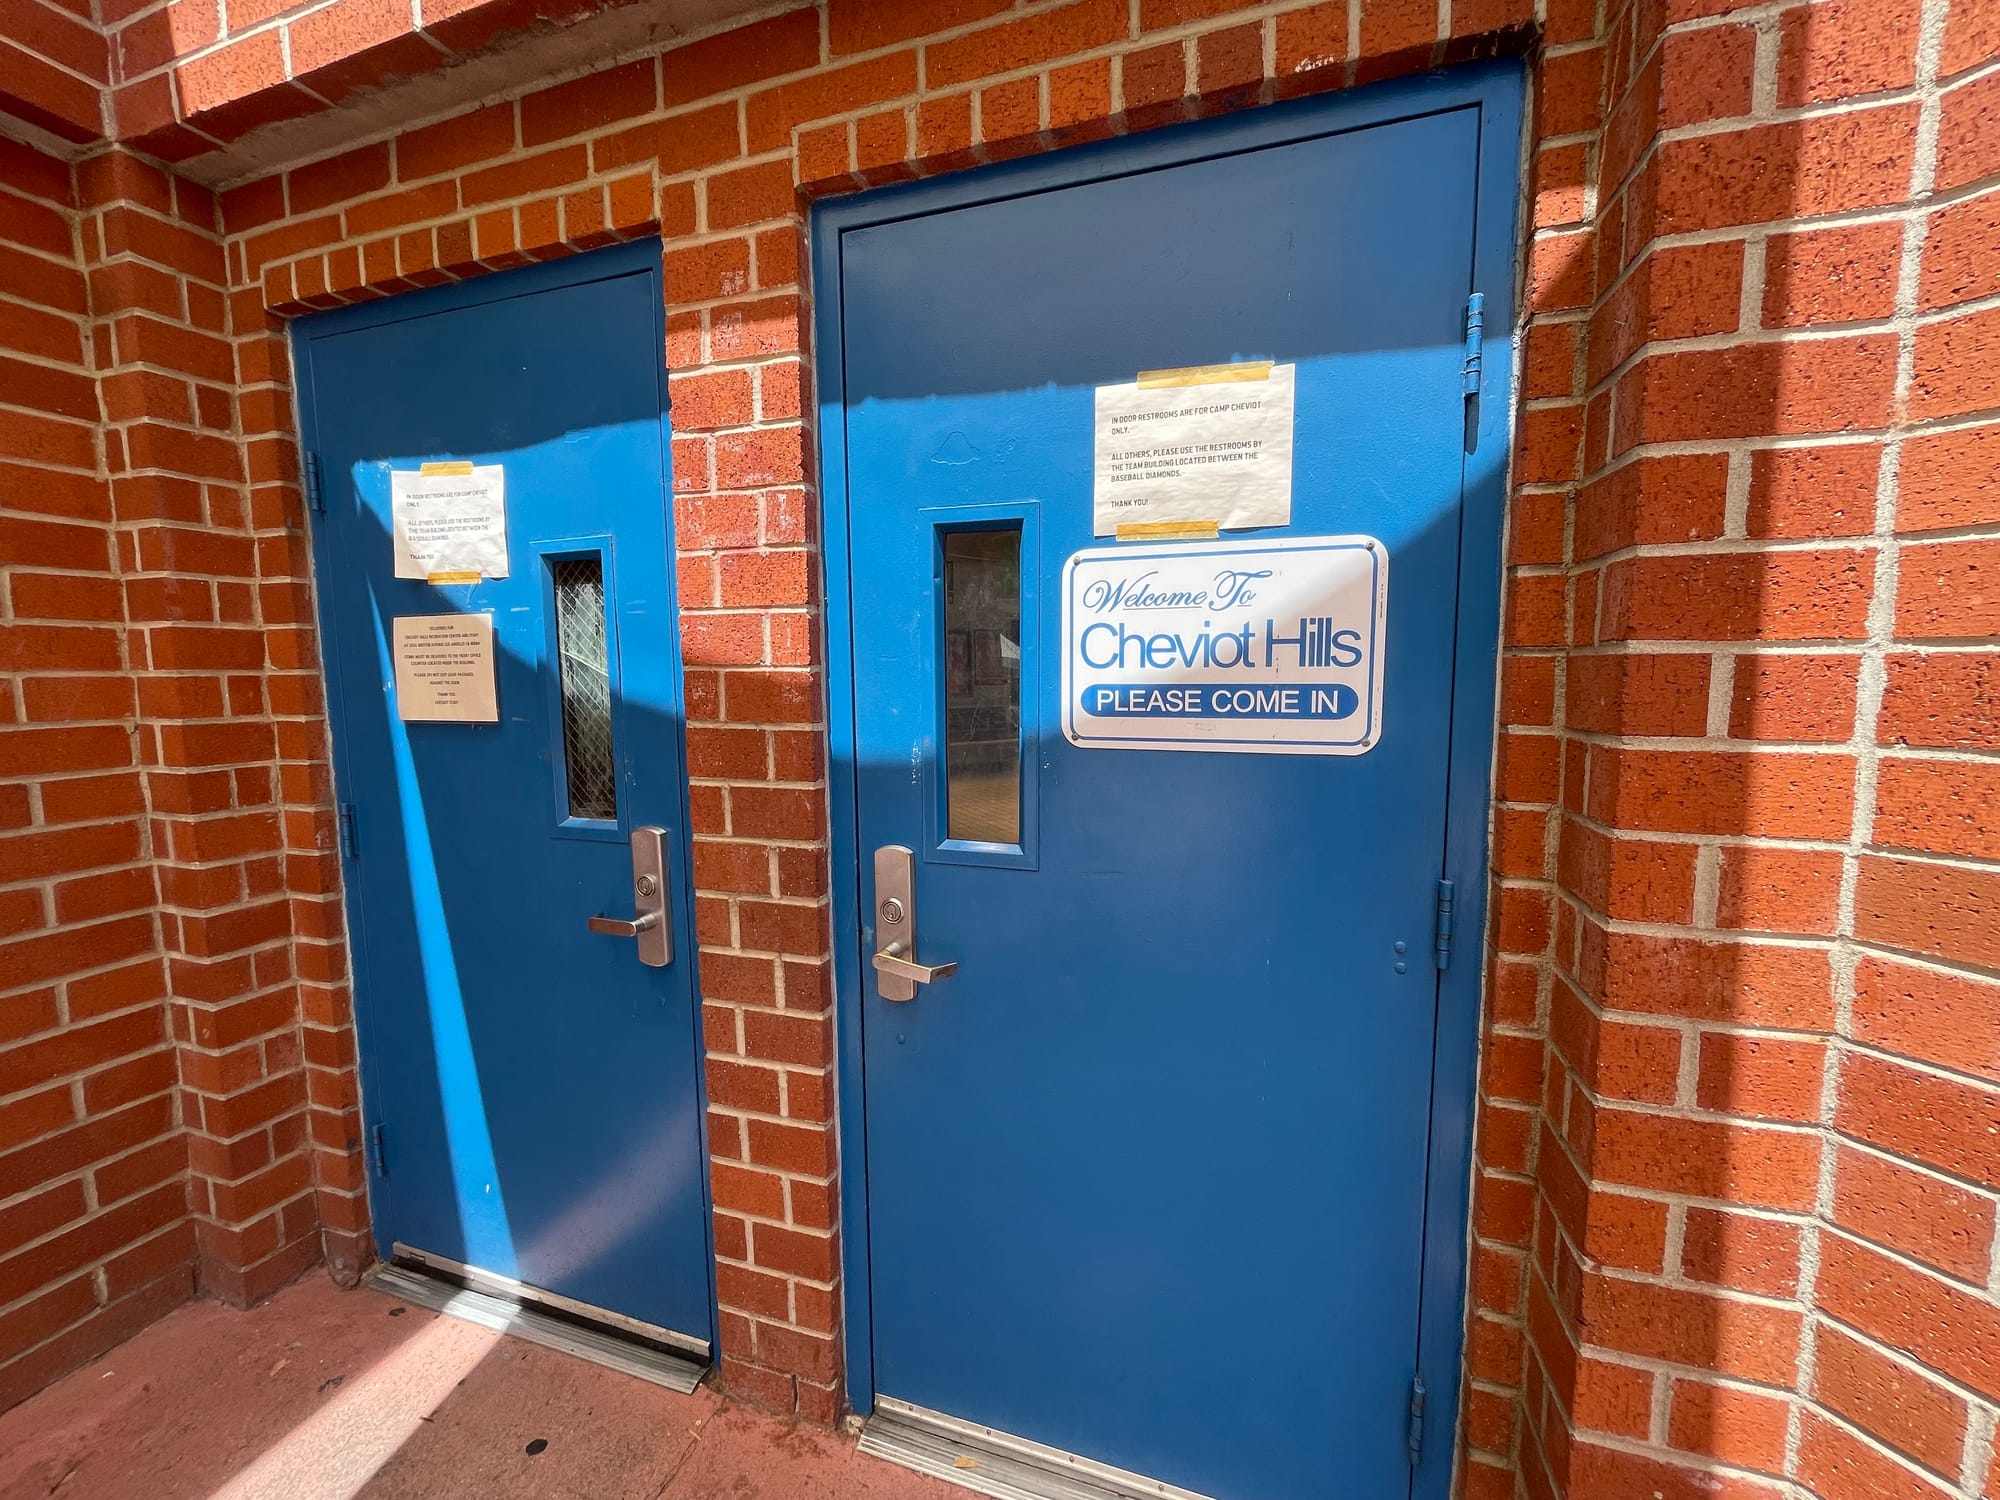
1169,531
473,577
1254,369
447,466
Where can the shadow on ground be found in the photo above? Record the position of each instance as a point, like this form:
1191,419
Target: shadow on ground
321,1394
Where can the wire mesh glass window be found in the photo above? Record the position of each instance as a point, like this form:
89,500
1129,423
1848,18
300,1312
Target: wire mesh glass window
584,657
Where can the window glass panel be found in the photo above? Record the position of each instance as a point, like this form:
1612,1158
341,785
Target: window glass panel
982,697
584,658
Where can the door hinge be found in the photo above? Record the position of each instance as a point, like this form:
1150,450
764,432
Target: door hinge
1475,343
1416,1433
1441,933
378,1150
315,491
344,819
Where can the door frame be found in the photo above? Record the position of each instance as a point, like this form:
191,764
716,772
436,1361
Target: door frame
641,256
1496,90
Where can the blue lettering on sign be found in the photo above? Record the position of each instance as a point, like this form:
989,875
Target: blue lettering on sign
1272,645
1269,700
1105,643
1230,590
1317,644
1313,642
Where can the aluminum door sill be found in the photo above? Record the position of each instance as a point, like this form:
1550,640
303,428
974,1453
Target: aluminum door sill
507,1289
998,1463
674,1368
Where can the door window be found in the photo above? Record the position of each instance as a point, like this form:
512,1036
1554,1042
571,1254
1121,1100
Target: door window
583,683
982,687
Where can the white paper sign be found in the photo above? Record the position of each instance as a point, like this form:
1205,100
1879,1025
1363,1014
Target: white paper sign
1195,445
1266,646
451,522
444,668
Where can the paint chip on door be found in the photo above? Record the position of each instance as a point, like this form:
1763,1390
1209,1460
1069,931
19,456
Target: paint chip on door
1208,444
450,521
1262,646
444,669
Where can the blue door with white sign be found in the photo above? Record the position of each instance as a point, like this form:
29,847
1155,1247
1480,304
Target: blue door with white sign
494,566
1168,567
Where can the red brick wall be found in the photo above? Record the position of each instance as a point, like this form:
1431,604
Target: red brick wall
54,65
1747,873
1734,1203
160,703
209,567
95,1239
188,75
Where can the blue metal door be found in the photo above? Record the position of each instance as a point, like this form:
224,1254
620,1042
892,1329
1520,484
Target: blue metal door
1147,1174
531,1089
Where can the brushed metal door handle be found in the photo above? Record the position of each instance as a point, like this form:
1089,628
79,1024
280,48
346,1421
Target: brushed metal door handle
897,972
649,924
891,961
620,927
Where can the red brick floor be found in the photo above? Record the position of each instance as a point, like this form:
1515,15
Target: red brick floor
321,1394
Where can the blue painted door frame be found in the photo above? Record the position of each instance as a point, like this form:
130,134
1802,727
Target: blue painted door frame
1486,100
532,1094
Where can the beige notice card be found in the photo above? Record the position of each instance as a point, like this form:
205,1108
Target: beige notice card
444,669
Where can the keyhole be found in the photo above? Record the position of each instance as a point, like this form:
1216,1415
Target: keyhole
646,886
892,911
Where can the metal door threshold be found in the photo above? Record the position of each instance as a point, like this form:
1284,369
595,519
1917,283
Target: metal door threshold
671,1368
998,1463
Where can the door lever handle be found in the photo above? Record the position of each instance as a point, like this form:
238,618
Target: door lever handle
897,972
620,927
649,923
891,961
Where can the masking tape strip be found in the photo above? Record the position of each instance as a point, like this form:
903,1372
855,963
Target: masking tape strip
1254,369
1169,531
460,577
447,466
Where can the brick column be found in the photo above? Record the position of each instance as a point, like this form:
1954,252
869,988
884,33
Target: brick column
190,568
94,1233
1901,1342
747,532
1764,1220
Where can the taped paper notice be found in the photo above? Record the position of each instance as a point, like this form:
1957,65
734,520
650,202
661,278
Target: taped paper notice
444,669
451,522
1212,443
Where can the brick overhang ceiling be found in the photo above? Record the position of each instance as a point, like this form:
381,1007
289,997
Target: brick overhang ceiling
317,79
